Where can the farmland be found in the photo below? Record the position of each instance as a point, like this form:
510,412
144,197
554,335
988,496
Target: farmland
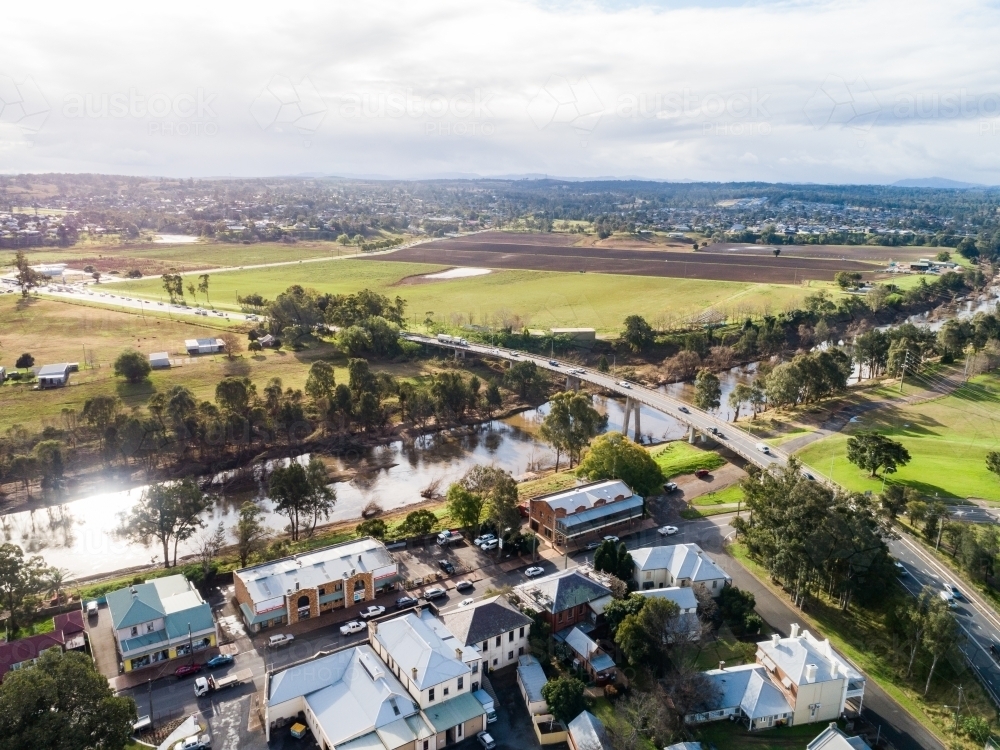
541,299
545,253
947,438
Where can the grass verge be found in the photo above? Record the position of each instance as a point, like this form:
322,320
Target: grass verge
680,457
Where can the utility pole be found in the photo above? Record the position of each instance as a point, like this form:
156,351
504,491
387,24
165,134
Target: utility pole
902,374
190,644
958,708
149,693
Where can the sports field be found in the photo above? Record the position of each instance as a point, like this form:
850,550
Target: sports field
543,299
947,438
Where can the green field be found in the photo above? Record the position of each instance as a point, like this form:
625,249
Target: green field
728,496
679,457
948,439
543,299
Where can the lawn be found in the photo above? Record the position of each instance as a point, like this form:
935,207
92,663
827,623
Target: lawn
724,735
947,438
680,457
543,299
728,496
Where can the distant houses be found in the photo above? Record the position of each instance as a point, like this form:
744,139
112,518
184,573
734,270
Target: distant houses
68,634
204,346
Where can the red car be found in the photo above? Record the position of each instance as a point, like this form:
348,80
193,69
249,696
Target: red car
701,473
186,670
522,511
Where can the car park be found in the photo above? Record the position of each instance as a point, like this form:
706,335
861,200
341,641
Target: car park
434,593
186,670
219,661
373,611
446,566
463,586
534,571
281,639
352,627
406,601
667,530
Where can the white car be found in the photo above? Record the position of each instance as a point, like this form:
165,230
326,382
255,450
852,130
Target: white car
282,639
195,742
352,627
467,602
479,541
667,530
624,384
489,545
486,740
612,538
373,611
763,448
534,571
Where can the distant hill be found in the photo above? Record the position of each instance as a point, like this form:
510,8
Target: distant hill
936,182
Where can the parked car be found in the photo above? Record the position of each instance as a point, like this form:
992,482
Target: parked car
591,546
194,742
91,609
463,586
186,670
534,571
667,530
352,627
669,487
373,611
701,473
219,661
490,544
486,740
612,538
281,639
434,593
406,601
480,540
522,510
467,602
446,566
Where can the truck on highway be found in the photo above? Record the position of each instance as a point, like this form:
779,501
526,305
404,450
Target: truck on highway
205,685
444,338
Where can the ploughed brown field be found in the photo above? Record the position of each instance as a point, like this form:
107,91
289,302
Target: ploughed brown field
546,252
868,253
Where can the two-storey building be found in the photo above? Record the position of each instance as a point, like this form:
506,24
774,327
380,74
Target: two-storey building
681,565
574,516
564,598
498,629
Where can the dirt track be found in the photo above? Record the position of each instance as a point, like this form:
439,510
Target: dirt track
544,253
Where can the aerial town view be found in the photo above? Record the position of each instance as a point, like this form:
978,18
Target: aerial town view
616,375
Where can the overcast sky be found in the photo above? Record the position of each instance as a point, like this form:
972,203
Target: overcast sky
783,91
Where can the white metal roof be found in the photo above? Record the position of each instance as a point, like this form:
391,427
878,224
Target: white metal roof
588,496
682,560
682,596
793,654
414,644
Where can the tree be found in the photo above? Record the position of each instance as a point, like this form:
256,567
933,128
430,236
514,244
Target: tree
173,285
62,703
648,634
203,286
209,547
564,695
570,424
941,634
618,609
637,333
614,456
21,580
524,378
707,391
418,523
614,559
320,383
24,362
603,365
300,492
872,451
27,277
132,366
740,395
993,462
167,513
231,344
49,455
465,507
373,527
492,400
251,535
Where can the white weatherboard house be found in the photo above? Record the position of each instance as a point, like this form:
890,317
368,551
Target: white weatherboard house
681,565
204,346
54,376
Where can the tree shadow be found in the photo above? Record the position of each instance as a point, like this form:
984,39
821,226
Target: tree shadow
134,393
23,303
236,368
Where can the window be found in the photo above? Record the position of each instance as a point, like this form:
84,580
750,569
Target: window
475,668
322,591
715,584
444,692
520,633
559,617
510,655
510,637
135,631
430,694
649,574
486,646
813,710
425,745
494,662
458,730
498,640
461,683
520,651
149,627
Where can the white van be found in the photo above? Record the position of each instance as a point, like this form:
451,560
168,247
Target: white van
764,448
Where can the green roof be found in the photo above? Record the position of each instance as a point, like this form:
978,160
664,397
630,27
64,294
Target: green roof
171,598
134,605
455,711
144,641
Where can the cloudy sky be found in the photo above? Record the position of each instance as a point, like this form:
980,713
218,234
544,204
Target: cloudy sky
775,91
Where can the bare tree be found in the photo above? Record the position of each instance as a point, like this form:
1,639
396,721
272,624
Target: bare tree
209,547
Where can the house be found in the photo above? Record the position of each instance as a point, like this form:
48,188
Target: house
591,657
816,681
67,635
530,680
681,565
795,680
159,360
267,341
586,732
686,601
54,376
438,672
349,699
493,625
204,346
306,585
832,738
162,619
563,599
573,516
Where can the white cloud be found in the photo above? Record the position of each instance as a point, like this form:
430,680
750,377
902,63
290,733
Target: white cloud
818,91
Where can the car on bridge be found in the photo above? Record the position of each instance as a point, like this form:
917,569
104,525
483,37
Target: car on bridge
553,363
683,409
624,384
